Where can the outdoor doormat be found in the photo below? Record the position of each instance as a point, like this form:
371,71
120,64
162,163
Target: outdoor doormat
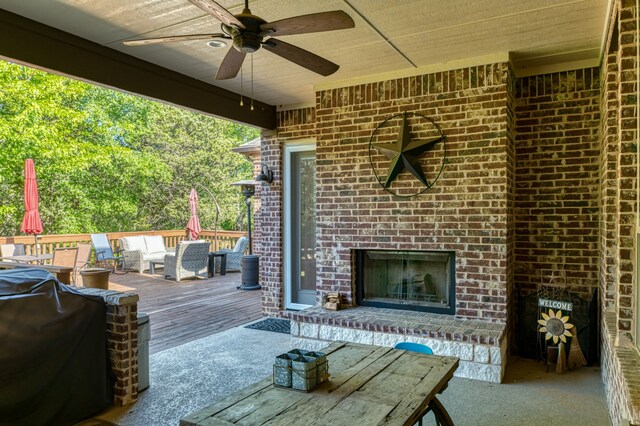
276,325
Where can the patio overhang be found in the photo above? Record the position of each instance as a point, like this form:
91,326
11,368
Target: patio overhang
32,43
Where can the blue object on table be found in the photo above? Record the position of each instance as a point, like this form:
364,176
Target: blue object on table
414,347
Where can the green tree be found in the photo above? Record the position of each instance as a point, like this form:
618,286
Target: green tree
108,161
198,150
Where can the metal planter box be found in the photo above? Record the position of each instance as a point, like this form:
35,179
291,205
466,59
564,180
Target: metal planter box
300,370
282,370
303,373
322,366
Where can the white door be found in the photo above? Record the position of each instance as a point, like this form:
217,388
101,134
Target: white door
300,226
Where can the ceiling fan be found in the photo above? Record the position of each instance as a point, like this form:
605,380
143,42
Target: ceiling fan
250,32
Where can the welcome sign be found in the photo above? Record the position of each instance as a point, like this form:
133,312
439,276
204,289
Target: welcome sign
555,304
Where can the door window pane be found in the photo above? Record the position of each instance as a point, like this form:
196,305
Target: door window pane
307,224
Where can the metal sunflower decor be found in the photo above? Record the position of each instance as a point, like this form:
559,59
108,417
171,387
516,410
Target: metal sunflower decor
555,326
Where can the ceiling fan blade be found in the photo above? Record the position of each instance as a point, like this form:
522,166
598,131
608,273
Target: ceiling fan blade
143,41
219,12
230,64
302,57
312,23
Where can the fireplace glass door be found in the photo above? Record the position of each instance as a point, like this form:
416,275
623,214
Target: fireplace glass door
412,280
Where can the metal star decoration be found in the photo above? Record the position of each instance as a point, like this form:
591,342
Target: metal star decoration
404,154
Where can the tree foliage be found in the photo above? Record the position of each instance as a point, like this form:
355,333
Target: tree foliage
108,161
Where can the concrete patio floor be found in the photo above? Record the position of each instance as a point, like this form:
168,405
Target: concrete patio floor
201,372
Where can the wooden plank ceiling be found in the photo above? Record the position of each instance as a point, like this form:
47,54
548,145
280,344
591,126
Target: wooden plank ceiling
391,38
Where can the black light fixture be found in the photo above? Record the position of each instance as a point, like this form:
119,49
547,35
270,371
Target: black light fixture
266,175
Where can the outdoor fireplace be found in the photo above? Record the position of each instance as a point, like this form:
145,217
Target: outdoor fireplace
409,280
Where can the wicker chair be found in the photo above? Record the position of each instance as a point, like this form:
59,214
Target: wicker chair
234,256
139,250
190,260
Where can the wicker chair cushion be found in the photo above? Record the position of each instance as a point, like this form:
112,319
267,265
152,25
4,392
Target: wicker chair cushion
134,243
153,256
154,244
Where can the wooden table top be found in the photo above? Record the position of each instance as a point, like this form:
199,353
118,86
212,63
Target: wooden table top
28,258
368,385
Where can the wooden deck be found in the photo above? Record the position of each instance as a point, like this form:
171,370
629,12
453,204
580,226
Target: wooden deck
191,309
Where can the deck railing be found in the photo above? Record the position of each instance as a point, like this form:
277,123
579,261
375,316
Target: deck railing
47,243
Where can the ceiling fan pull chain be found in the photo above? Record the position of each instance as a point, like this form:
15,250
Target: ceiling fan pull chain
251,82
241,103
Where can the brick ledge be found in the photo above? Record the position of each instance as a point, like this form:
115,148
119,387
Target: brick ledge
411,323
111,297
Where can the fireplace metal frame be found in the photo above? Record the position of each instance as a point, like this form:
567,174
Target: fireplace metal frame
359,285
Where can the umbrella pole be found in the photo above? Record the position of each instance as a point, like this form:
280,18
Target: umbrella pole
215,226
35,237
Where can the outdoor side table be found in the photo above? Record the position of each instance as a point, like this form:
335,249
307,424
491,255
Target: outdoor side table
212,263
154,264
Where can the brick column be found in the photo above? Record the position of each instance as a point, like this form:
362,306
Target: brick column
122,342
627,169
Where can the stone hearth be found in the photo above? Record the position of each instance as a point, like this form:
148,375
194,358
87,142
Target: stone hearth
480,345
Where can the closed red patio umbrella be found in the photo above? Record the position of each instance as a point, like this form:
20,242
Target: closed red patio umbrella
31,223
193,227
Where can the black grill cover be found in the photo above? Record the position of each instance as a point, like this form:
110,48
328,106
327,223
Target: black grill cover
54,366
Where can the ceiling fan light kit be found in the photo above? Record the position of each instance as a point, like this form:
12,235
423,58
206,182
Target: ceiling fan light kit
249,38
217,44
249,33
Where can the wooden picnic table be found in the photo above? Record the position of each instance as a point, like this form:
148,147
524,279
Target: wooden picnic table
368,385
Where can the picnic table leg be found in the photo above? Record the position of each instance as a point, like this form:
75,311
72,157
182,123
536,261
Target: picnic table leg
442,417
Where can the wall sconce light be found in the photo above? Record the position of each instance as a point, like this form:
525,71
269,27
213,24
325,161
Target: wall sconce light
266,175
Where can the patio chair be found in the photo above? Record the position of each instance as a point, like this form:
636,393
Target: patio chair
65,256
82,259
11,250
234,256
104,253
190,260
414,347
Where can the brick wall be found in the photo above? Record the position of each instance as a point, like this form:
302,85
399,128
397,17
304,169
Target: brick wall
467,211
557,178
